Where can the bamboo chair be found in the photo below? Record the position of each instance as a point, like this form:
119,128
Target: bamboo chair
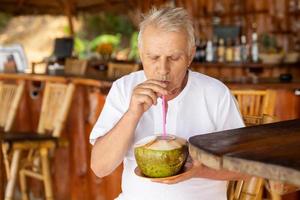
55,106
255,103
10,97
116,70
256,107
75,66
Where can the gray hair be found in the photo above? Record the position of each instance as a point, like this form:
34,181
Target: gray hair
169,20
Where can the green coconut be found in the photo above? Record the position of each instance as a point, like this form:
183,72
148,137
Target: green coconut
161,156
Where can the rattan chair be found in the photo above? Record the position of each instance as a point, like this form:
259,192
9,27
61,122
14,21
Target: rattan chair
55,106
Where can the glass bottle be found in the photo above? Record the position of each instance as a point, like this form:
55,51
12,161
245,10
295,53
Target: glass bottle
221,50
244,49
237,51
209,51
229,51
254,48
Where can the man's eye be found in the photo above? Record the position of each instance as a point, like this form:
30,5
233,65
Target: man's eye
154,57
174,58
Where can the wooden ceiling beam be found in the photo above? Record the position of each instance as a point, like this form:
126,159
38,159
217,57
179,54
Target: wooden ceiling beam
20,3
104,6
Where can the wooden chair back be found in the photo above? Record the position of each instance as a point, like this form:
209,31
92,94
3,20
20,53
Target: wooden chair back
55,106
75,66
10,96
116,70
255,102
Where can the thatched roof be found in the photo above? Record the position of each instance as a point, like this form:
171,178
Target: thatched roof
58,7
63,7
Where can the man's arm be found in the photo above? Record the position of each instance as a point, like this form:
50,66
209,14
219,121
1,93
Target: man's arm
206,172
201,171
110,149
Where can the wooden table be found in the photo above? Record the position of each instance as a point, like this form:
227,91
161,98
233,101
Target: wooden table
270,151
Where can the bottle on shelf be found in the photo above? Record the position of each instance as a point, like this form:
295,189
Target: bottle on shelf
200,51
237,51
254,47
229,50
209,51
244,49
197,53
221,50
215,49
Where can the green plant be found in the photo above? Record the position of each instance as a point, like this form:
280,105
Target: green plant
134,53
105,23
105,38
4,19
81,47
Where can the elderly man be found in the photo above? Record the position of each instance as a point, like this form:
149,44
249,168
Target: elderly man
197,104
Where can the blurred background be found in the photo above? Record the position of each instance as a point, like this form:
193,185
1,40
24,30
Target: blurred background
248,44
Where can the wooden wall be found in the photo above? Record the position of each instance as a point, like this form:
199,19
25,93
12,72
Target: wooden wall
279,18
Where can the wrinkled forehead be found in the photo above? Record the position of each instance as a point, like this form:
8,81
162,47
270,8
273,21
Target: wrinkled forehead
158,39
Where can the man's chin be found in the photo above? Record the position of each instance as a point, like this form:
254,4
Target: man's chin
174,90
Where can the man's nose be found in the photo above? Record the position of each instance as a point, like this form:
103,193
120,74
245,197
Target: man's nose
163,68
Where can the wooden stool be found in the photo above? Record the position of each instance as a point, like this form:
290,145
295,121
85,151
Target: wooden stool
10,96
55,106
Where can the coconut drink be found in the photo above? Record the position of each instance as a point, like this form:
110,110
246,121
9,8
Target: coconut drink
161,155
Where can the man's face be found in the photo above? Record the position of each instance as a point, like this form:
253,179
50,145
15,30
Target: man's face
166,57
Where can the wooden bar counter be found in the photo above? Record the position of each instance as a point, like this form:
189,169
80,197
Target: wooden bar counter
72,177
270,151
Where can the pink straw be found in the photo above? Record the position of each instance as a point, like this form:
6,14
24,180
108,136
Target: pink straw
164,115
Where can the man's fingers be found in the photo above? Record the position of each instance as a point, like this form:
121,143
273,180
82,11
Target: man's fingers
148,92
144,99
156,88
157,82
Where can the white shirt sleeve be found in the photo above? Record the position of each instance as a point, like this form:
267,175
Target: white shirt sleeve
229,116
111,113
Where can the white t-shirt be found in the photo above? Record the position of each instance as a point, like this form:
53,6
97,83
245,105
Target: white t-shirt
204,105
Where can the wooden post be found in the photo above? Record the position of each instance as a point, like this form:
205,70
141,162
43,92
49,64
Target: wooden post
69,10
71,24
9,191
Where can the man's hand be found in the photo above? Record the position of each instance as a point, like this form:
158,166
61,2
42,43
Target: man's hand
193,170
145,95
197,170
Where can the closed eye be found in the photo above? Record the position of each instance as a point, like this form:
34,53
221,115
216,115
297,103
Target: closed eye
174,58
154,57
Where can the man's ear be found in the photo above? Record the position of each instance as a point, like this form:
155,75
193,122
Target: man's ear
140,53
192,54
